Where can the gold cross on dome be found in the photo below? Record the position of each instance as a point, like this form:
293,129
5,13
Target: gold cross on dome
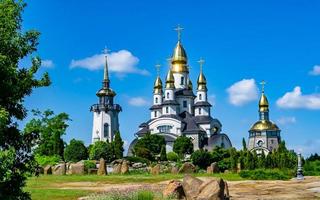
201,62
179,29
158,68
169,59
263,83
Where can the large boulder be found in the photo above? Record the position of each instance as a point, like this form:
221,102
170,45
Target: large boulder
196,189
92,171
155,170
212,190
116,169
138,165
187,168
102,167
77,168
59,169
174,190
47,170
238,167
125,167
213,168
191,187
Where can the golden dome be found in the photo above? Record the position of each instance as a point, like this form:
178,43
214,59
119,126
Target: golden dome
190,86
263,125
263,103
157,86
170,80
202,82
105,92
179,59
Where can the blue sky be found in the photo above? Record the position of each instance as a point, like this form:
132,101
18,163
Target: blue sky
242,42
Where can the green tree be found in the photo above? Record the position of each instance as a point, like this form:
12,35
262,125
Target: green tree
117,146
75,151
163,153
51,128
244,145
16,82
101,149
183,145
201,158
152,143
172,156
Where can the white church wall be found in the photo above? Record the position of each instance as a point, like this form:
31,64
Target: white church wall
177,80
189,101
201,96
176,125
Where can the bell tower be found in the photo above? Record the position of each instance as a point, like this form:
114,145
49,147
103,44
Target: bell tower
105,113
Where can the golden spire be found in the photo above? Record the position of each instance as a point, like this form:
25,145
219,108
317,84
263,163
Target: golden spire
106,90
202,82
170,80
157,89
179,56
263,103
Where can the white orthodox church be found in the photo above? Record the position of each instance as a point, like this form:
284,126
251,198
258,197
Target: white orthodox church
105,113
177,111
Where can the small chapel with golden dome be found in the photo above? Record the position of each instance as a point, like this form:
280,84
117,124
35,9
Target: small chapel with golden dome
178,111
264,135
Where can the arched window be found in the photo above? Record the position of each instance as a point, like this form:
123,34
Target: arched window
199,111
184,104
182,80
168,95
155,113
106,130
156,100
200,96
167,109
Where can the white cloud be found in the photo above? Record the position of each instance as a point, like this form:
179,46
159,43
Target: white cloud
308,147
296,99
243,92
287,120
138,101
315,71
121,62
47,63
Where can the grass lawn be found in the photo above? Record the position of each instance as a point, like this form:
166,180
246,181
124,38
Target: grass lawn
47,187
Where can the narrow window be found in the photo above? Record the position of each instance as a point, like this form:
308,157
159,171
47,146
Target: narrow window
156,100
106,130
155,113
167,109
168,95
200,96
182,80
199,111
184,104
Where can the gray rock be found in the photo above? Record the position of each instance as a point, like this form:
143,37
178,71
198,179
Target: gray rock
59,169
102,168
187,168
47,170
174,190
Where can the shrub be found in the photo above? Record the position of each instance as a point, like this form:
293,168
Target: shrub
101,149
201,158
89,164
183,145
312,168
136,159
163,154
262,174
47,160
172,156
149,146
75,151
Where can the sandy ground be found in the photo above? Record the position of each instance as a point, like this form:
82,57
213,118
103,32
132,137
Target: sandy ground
239,190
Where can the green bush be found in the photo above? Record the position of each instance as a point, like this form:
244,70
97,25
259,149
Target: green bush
75,151
89,164
312,168
149,146
136,159
172,156
183,145
201,158
265,174
47,160
101,149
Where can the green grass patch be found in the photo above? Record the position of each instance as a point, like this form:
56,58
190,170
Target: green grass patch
266,174
54,194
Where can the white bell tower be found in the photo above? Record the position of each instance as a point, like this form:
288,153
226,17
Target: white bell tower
105,113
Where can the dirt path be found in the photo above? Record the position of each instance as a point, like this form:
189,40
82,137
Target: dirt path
239,190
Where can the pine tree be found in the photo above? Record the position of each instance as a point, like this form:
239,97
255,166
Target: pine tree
163,153
117,145
244,144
